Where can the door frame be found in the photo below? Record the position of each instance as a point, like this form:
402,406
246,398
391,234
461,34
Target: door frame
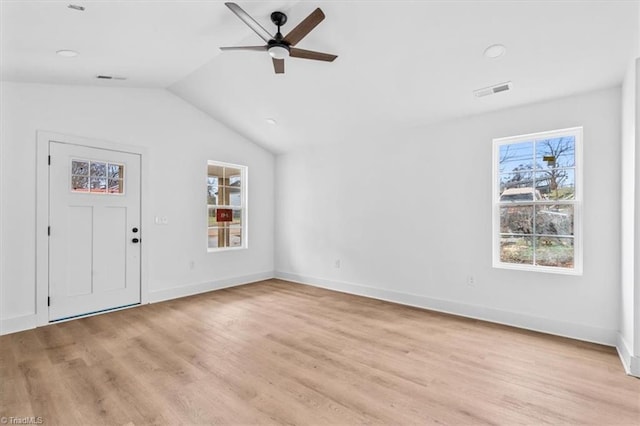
42,213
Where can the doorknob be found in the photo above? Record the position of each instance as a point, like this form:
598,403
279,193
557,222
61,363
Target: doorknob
134,230
135,240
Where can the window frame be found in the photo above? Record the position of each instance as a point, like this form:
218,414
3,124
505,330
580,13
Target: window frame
577,202
244,226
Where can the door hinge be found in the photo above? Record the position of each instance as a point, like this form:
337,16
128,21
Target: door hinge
49,301
49,160
49,230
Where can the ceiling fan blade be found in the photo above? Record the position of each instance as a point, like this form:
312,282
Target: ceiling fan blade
278,65
258,48
247,19
304,27
310,54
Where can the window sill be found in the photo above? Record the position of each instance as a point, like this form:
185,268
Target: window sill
544,269
218,250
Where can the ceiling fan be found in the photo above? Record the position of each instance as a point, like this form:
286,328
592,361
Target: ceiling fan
278,46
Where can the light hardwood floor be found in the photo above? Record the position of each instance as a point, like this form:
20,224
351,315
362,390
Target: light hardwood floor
276,352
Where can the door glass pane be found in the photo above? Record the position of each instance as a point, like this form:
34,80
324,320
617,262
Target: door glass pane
80,167
516,249
98,184
80,183
116,171
98,169
553,251
115,186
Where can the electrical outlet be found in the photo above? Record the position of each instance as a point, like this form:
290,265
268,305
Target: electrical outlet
471,281
337,264
192,265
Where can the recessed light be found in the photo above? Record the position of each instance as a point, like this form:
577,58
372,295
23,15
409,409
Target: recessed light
67,53
271,121
495,51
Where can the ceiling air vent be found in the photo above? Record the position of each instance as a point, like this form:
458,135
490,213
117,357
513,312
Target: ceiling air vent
502,87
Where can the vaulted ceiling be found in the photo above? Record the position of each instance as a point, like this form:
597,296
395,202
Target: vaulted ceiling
401,63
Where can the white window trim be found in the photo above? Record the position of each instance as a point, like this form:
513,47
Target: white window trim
244,179
578,202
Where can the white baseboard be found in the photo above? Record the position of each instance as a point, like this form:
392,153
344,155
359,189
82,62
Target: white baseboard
631,363
634,367
190,290
15,324
544,325
26,322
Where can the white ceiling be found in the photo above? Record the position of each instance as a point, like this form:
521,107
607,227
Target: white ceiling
401,63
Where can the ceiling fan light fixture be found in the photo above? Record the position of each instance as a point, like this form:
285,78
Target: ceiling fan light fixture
278,52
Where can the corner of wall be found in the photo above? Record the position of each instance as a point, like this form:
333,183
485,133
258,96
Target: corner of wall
190,290
630,363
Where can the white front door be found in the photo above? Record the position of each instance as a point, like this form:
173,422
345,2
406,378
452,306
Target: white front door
94,218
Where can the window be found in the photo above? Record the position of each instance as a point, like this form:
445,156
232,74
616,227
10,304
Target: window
97,177
537,206
226,206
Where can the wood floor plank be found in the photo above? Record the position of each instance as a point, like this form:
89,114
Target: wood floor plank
281,353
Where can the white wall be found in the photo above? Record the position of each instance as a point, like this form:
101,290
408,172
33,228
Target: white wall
178,140
409,217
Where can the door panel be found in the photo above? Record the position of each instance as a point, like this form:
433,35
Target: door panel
79,243
94,198
110,249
